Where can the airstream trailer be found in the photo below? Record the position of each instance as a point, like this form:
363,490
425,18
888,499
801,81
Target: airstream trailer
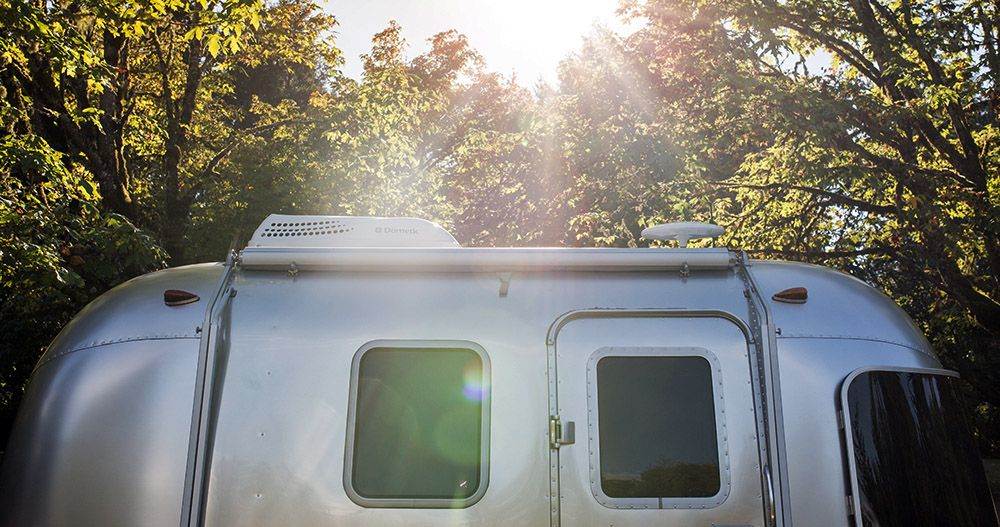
372,372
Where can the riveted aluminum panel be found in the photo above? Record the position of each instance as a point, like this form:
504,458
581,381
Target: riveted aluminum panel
279,413
101,438
279,440
135,310
812,372
839,305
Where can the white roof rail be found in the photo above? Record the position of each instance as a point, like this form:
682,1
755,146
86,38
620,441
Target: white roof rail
482,259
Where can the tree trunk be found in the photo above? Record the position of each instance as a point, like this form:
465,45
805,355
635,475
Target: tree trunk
177,198
177,204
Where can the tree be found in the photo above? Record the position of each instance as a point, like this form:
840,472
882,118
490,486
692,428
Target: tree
254,142
618,156
80,60
882,158
103,108
58,248
497,177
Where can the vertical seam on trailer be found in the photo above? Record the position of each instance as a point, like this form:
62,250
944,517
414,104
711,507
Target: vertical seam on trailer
194,479
770,391
758,379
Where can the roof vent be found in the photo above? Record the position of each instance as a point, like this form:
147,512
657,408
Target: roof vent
682,232
280,230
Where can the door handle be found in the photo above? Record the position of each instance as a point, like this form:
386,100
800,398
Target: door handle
771,510
561,433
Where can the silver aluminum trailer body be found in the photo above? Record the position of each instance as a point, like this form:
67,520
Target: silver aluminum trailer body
239,409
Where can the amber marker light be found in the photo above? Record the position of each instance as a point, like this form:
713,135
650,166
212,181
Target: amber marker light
792,295
176,297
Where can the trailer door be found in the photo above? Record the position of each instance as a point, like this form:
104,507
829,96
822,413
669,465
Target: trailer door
653,422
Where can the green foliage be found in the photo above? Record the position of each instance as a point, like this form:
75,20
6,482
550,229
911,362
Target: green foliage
884,162
620,159
863,135
58,251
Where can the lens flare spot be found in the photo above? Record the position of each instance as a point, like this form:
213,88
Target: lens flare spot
473,387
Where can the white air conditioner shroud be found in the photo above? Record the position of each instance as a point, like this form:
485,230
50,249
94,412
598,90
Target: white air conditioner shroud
287,231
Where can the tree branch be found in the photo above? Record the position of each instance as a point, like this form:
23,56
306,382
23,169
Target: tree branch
234,141
818,255
844,50
832,197
971,160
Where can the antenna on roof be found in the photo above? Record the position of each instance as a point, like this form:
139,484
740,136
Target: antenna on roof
682,231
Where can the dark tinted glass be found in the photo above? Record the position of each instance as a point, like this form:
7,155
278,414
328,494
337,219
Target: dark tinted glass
418,424
657,427
916,462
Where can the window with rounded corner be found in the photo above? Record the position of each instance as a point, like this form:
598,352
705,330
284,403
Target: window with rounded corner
658,439
418,429
914,462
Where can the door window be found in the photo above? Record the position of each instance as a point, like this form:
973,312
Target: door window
658,438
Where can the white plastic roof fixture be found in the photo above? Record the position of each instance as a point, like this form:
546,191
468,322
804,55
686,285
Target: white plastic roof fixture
287,231
682,231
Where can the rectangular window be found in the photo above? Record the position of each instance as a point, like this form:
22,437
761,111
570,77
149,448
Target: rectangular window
658,439
914,462
418,434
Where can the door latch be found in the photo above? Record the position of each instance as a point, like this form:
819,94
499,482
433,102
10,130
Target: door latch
561,433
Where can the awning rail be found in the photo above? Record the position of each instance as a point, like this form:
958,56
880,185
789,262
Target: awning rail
484,259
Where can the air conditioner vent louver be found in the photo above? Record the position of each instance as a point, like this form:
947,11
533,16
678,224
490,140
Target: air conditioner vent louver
305,228
284,231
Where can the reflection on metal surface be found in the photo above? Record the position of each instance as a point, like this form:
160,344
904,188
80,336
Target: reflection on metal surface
101,438
215,327
766,393
771,511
